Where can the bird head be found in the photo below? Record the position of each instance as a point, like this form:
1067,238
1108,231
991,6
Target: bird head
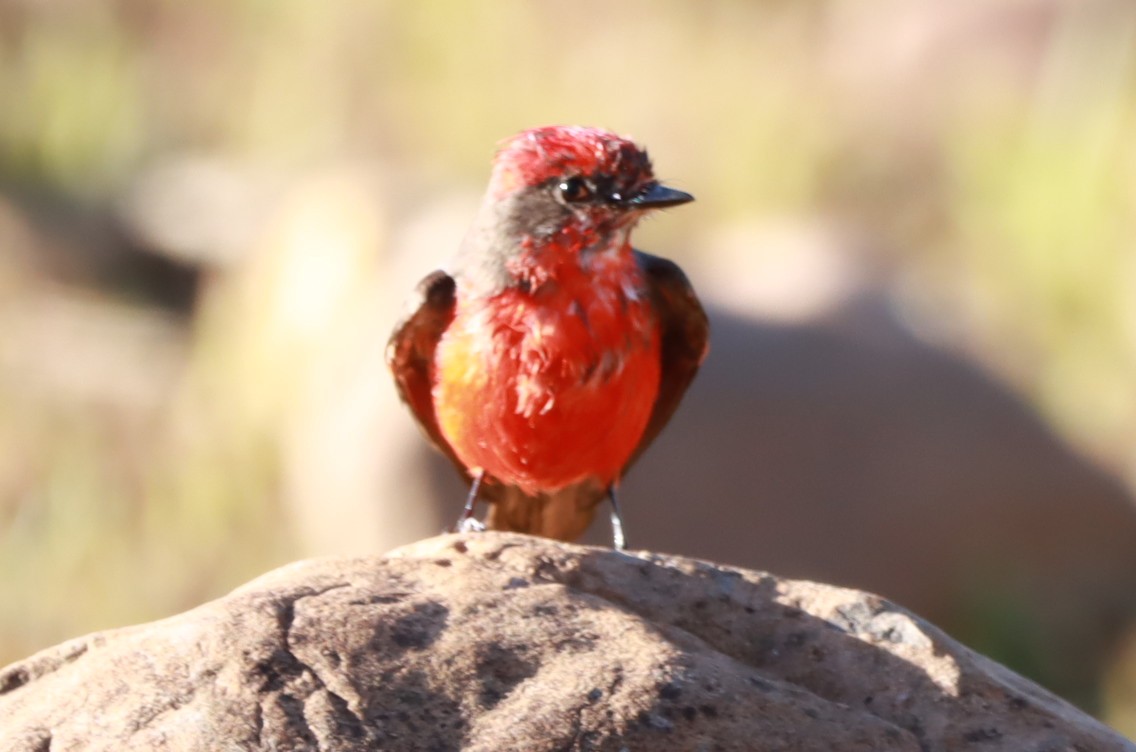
570,176
563,193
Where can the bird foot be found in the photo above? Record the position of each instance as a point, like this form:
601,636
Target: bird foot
471,525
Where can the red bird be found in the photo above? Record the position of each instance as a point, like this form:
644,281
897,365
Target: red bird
555,353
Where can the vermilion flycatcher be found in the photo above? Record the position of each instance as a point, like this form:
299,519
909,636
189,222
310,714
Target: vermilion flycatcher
555,353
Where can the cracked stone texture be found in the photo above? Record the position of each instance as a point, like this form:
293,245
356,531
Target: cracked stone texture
504,642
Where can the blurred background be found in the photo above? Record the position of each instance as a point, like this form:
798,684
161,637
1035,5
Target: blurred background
916,233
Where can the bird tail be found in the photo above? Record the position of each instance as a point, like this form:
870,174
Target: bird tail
563,514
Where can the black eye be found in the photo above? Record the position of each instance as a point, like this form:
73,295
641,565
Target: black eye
574,190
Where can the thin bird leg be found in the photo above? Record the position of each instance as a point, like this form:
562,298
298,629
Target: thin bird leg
467,522
618,542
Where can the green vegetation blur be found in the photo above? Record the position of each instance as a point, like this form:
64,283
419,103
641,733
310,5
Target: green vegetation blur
160,364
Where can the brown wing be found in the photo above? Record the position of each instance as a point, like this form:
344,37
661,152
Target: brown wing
410,354
685,339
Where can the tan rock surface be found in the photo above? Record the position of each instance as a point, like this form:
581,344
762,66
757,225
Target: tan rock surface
502,642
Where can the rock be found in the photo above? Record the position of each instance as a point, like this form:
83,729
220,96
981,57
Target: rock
499,642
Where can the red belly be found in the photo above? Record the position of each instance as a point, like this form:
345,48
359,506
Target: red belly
544,393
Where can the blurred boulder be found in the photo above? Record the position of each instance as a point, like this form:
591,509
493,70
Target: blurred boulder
86,245
493,642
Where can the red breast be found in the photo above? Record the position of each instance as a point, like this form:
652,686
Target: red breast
543,387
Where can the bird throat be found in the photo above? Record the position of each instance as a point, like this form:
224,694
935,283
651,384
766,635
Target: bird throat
572,257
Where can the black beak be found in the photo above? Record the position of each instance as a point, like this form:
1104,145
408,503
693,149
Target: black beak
656,196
